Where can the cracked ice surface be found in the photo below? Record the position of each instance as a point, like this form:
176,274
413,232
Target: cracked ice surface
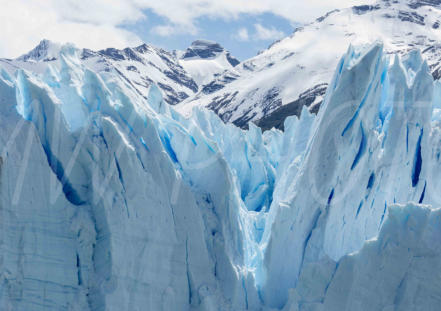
113,201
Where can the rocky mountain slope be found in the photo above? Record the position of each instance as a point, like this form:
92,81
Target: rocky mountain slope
297,70
141,67
204,60
177,76
265,89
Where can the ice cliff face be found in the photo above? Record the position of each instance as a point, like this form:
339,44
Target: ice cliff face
111,200
103,216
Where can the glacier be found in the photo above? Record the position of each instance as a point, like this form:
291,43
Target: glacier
111,200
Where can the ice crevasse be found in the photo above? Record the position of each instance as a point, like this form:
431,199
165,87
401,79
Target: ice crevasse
113,201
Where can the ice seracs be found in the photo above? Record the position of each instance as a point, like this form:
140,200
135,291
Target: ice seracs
400,259
357,163
112,200
117,226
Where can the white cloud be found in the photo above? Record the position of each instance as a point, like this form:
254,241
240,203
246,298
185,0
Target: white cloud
242,35
24,23
96,23
173,29
263,33
260,33
184,12
164,30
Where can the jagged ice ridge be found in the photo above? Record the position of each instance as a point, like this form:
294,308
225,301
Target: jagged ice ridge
111,201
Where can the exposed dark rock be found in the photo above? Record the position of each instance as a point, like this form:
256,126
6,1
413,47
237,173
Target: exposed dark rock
86,53
415,4
170,95
113,53
203,49
320,19
143,48
132,68
181,78
232,60
411,17
436,71
363,9
220,102
277,118
269,102
219,82
40,52
131,55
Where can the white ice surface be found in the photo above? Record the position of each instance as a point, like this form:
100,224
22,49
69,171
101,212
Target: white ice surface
111,201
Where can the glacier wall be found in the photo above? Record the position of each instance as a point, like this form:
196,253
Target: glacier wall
113,201
126,220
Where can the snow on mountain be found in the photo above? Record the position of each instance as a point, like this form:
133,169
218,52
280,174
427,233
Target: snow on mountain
179,75
141,66
297,70
204,60
44,51
111,200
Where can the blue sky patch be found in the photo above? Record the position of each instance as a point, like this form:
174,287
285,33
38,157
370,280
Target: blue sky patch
243,36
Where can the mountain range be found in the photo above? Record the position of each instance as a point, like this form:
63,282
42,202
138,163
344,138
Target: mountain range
297,70
267,88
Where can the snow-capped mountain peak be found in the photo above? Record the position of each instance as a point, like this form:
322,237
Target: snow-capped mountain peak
205,49
205,60
139,66
46,50
296,70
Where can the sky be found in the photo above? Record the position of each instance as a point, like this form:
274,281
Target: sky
243,27
243,36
